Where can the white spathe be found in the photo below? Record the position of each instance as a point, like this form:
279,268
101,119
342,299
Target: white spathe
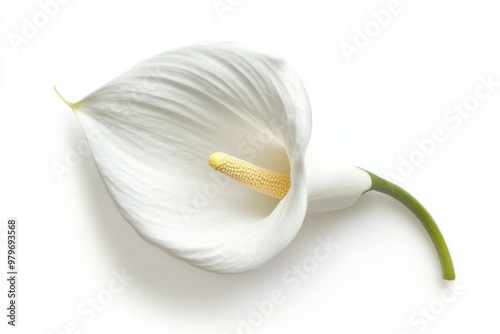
333,182
152,129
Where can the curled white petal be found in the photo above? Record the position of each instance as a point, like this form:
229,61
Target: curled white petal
152,129
333,182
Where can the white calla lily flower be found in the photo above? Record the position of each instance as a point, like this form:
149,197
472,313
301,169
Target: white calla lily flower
152,129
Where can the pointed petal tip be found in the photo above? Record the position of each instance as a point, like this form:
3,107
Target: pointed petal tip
70,104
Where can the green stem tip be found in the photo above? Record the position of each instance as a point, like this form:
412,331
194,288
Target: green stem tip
386,187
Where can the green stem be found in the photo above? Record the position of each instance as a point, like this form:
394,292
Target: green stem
381,185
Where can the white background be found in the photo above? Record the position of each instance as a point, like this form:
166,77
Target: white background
383,277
